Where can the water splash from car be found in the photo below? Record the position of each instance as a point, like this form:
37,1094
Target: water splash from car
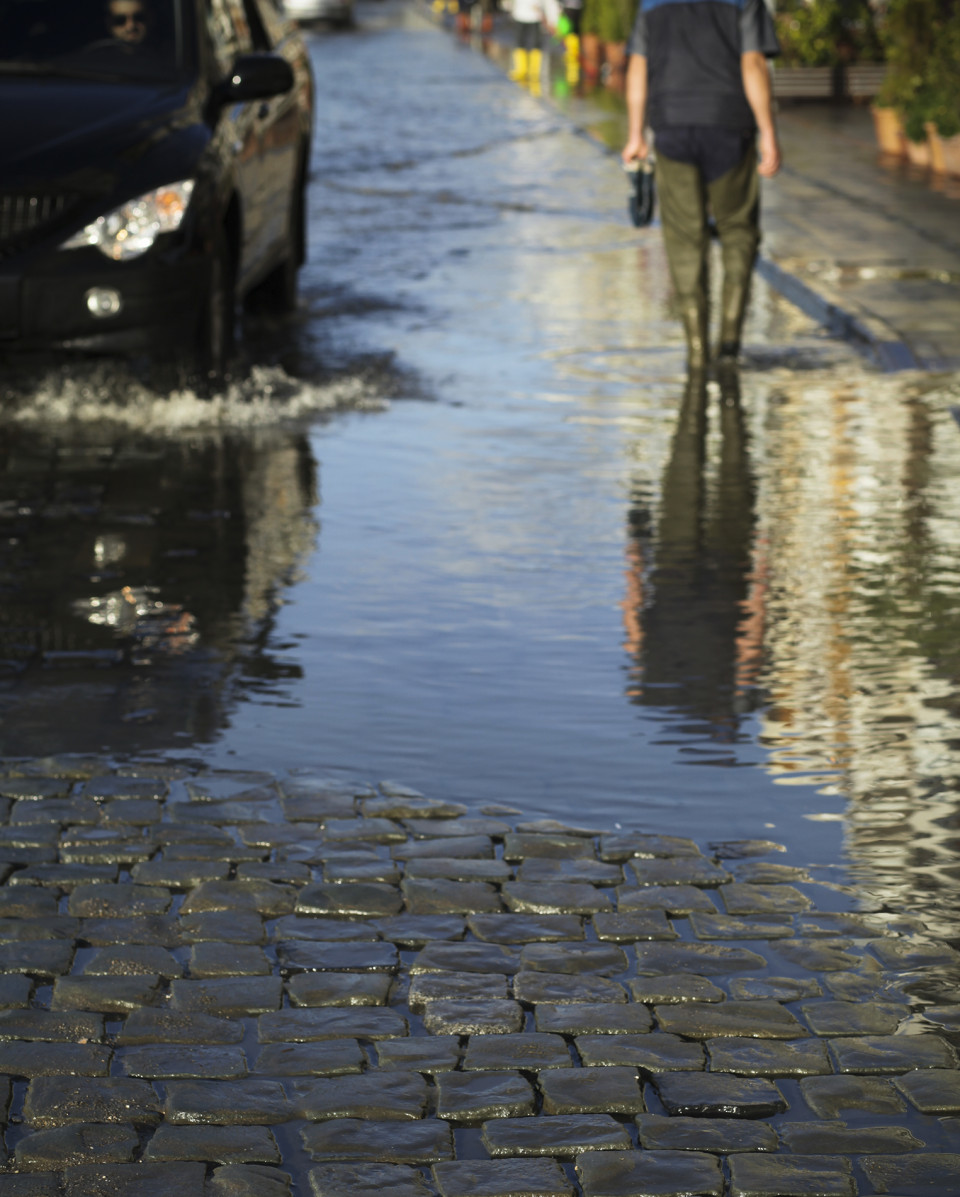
109,394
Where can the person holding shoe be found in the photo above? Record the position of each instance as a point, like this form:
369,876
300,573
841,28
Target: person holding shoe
698,77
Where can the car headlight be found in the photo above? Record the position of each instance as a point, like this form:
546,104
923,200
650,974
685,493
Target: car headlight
130,230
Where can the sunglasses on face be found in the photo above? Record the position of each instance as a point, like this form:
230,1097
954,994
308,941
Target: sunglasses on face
127,18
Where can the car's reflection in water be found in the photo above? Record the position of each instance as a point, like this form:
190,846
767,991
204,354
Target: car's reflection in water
139,578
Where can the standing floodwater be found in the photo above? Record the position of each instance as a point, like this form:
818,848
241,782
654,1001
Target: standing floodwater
547,574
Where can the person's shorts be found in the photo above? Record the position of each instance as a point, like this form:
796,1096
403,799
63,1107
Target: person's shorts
529,35
712,150
465,5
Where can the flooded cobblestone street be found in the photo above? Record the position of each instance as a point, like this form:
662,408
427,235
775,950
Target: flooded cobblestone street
668,677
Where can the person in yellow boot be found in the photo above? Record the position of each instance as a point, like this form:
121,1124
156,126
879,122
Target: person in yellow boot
529,17
568,28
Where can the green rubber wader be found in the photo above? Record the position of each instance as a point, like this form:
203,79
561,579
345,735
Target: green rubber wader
734,202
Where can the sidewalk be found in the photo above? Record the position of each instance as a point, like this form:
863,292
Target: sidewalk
871,249
873,246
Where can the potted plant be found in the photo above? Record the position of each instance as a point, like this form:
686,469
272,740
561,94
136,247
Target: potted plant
887,122
943,99
921,54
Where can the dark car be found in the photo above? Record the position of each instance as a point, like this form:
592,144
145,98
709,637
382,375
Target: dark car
153,161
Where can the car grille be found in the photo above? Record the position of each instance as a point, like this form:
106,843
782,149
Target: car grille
24,216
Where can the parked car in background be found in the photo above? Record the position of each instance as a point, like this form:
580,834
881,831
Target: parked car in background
336,12
153,162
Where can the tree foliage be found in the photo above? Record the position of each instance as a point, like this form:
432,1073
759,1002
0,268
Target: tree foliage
828,32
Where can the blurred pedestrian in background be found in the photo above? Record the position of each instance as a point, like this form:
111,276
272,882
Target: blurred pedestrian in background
605,28
568,30
529,18
698,77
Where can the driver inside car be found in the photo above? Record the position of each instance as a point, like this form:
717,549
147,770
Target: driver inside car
128,21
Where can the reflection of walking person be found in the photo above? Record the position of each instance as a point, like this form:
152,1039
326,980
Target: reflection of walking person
690,613
529,17
698,76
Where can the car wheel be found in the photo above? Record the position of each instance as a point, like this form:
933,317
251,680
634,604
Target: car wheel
278,291
216,334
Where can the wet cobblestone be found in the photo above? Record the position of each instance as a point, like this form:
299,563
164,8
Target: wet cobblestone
236,985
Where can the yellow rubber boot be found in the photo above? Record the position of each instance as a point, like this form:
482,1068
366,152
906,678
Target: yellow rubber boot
521,64
571,45
536,65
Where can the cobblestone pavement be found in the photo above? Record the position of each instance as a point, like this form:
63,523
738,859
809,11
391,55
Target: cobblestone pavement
241,985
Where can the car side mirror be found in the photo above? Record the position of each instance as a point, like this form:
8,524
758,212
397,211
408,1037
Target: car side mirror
256,77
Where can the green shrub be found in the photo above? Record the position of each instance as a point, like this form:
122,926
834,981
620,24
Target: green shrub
827,32
922,40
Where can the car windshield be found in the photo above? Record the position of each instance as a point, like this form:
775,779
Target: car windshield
126,40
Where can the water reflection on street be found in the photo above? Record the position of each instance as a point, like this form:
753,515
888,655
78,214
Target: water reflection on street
696,636
569,580
857,548
140,579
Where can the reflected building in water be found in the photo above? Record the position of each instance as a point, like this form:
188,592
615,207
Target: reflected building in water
859,520
821,587
140,579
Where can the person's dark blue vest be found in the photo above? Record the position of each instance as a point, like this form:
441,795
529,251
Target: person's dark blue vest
693,64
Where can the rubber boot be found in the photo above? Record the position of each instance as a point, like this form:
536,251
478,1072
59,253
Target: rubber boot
521,65
694,317
536,66
733,307
571,44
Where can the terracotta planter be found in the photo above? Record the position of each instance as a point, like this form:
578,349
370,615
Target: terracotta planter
935,142
918,153
950,150
889,131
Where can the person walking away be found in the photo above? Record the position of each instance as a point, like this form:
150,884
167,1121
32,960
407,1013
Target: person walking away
529,17
698,77
568,28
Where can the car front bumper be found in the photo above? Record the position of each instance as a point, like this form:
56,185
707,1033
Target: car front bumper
43,304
